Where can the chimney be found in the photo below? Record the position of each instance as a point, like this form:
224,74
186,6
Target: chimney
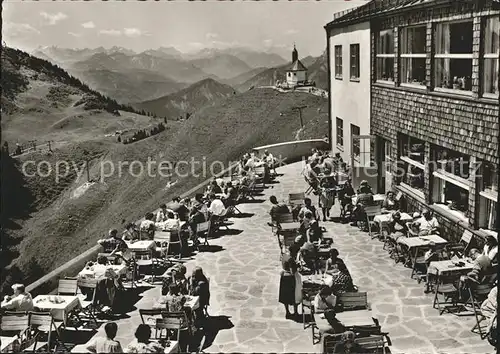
295,54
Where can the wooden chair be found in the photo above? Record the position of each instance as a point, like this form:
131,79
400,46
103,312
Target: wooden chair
329,342
43,325
146,234
203,231
353,301
67,286
371,211
448,289
460,249
477,294
170,322
15,324
144,258
89,308
296,199
149,316
260,173
372,344
308,295
165,239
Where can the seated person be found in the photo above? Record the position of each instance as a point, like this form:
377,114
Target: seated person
414,229
480,268
197,217
324,300
364,187
277,209
390,202
308,257
230,195
113,242
333,263
130,233
348,345
341,280
174,301
148,225
308,207
395,223
142,343
199,205
162,213
365,198
106,344
269,159
428,223
214,187
491,248
21,300
306,222
490,305
314,232
217,207
179,208
171,222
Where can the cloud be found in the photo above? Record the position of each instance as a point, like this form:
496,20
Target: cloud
134,32
196,44
74,34
53,18
88,25
224,45
211,35
111,32
16,29
291,31
267,42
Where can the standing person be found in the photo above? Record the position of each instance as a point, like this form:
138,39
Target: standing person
106,344
327,195
199,286
290,292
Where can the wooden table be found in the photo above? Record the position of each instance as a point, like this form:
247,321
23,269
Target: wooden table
289,226
8,344
173,347
383,219
417,243
192,302
347,318
97,271
377,199
318,279
144,245
59,311
439,268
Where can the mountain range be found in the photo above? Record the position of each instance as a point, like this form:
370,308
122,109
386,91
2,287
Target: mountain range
157,72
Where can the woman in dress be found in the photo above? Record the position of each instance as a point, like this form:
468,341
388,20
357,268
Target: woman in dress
333,263
341,280
199,286
390,202
327,195
290,292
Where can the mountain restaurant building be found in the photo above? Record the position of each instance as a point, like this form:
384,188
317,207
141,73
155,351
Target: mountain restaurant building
434,105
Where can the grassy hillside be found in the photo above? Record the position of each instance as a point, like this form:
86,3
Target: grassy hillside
188,100
73,215
41,101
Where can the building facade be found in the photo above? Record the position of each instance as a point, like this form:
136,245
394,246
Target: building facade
434,105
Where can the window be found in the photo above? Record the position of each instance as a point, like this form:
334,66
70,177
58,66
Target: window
338,61
451,186
340,132
354,61
413,49
488,196
385,55
388,155
355,142
490,60
453,58
411,156
451,162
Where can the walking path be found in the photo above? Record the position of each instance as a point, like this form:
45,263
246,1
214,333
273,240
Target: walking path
244,283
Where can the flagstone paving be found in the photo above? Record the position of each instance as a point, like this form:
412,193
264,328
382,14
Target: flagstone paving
244,283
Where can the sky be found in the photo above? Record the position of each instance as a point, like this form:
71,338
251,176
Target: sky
187,26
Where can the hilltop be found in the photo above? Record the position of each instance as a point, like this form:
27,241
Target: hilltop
187,101
42,101
317,71
58,220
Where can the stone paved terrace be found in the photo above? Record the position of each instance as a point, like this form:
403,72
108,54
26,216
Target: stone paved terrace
244,282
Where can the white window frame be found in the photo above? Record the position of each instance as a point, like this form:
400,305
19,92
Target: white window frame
356,64
384,56
337,119
488,56
415,163
411,56
338,62
468,56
